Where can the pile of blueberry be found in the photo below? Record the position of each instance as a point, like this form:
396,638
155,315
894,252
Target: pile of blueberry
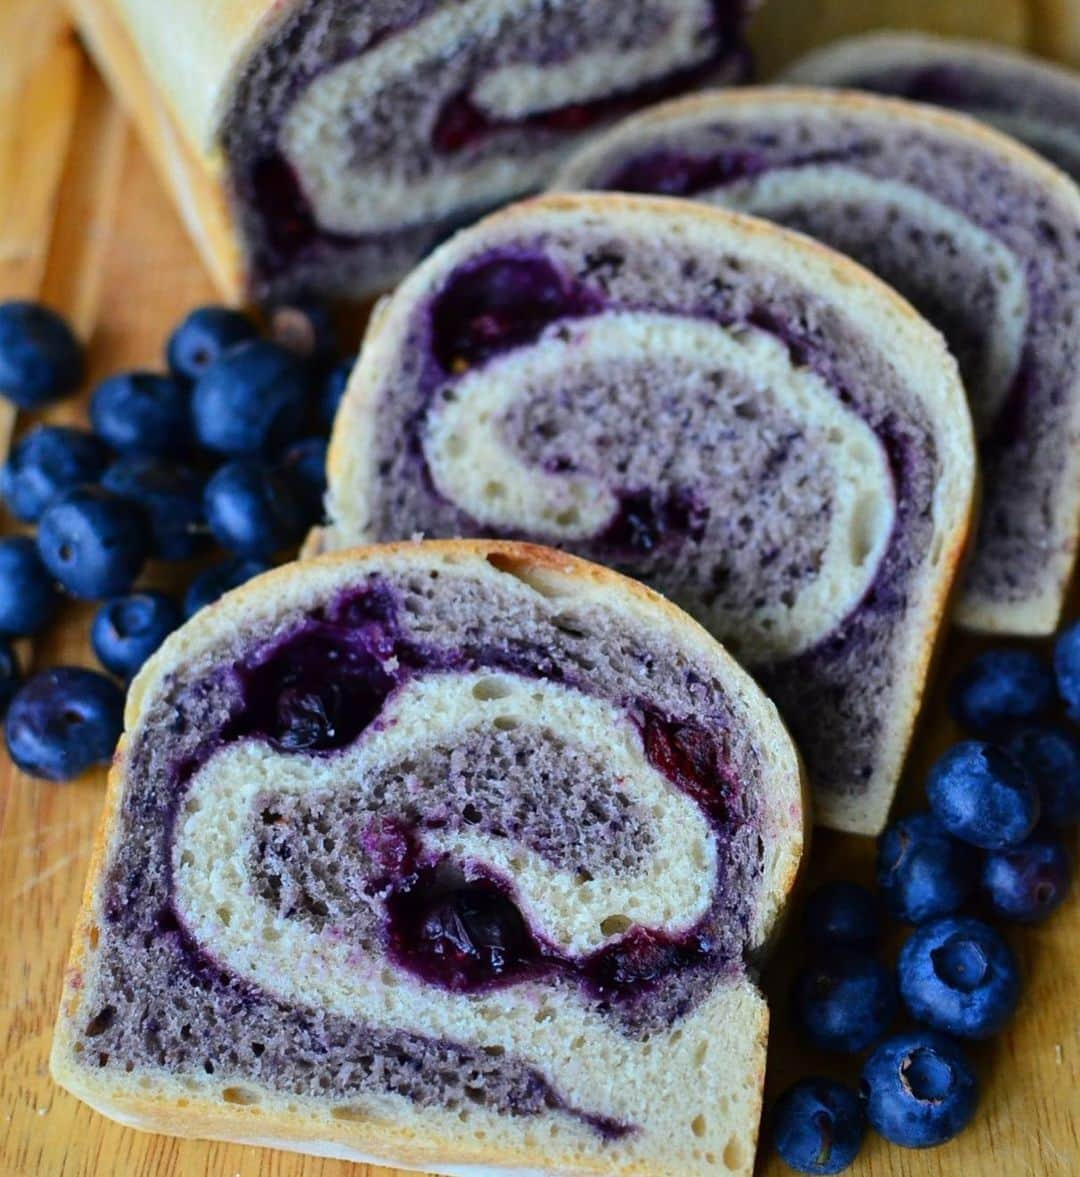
227,446
990,845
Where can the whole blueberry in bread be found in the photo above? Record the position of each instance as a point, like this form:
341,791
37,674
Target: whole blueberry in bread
450,856
982,236
749,423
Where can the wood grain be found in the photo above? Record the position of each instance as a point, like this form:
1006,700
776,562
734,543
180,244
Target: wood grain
84,221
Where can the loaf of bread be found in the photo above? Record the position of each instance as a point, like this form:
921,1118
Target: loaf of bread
749,423
450,856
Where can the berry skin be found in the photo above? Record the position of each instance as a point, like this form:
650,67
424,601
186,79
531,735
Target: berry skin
845,1000
919,1089
170,496
1001,687
252,509
48,462
1026,883
981,795
1052,759
306,329
203,337
818,1126
960,977
127,630
251,401
142,413
922,871
218,580
1067,669
28,596
333,390
40,358
304,465
843,914
10,675
64,721
93,542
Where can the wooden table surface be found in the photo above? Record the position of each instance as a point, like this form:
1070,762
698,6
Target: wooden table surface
85,224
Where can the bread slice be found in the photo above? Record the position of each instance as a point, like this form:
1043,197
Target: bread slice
1031,99
754,426
979,233
451,856
323,146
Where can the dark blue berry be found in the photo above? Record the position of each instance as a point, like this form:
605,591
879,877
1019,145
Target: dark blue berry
333,390
10,674
306,329
1067,669
252,509
142,413
171,498
218,580
922,871
1027,882
202,338
93,542
127,630
818,1126
49,461
959,976
63,721
981,795
251,401
1052,759
304,464
40,358
919,1089
28,596
842,913
999,688
845,1000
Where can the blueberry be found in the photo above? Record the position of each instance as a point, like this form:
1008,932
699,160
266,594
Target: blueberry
1001,687
252,509
10,674
40,358
304,465
142,413
1027,882
251,401
842,913
28,596
63,721
922,871
1067,669
919,1089
171,498
93,542
981,795
49,461
218,580
333,390
1052,759
818,1126
959,976
127,630
306,329
845,1000
203,336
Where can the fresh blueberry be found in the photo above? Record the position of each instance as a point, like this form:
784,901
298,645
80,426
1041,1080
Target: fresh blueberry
202,338
922,871
960,977
333,390
93,542
1001,687
981,795
845,1000
142,413
251,401
63,721
28,596
304,464
306,329
1052,759
49,461
217,580
919,1089
842,913
127,630
252,509
818,1126
1067,669
1027,882
171,498
10,674
40,358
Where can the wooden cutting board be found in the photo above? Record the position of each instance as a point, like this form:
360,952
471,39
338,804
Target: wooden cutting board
85,224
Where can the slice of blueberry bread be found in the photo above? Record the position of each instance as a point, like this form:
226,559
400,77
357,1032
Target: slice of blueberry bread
981,235
1030,99
754,426
444,855
347,136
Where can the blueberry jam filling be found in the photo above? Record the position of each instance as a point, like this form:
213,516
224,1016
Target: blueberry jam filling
645,520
